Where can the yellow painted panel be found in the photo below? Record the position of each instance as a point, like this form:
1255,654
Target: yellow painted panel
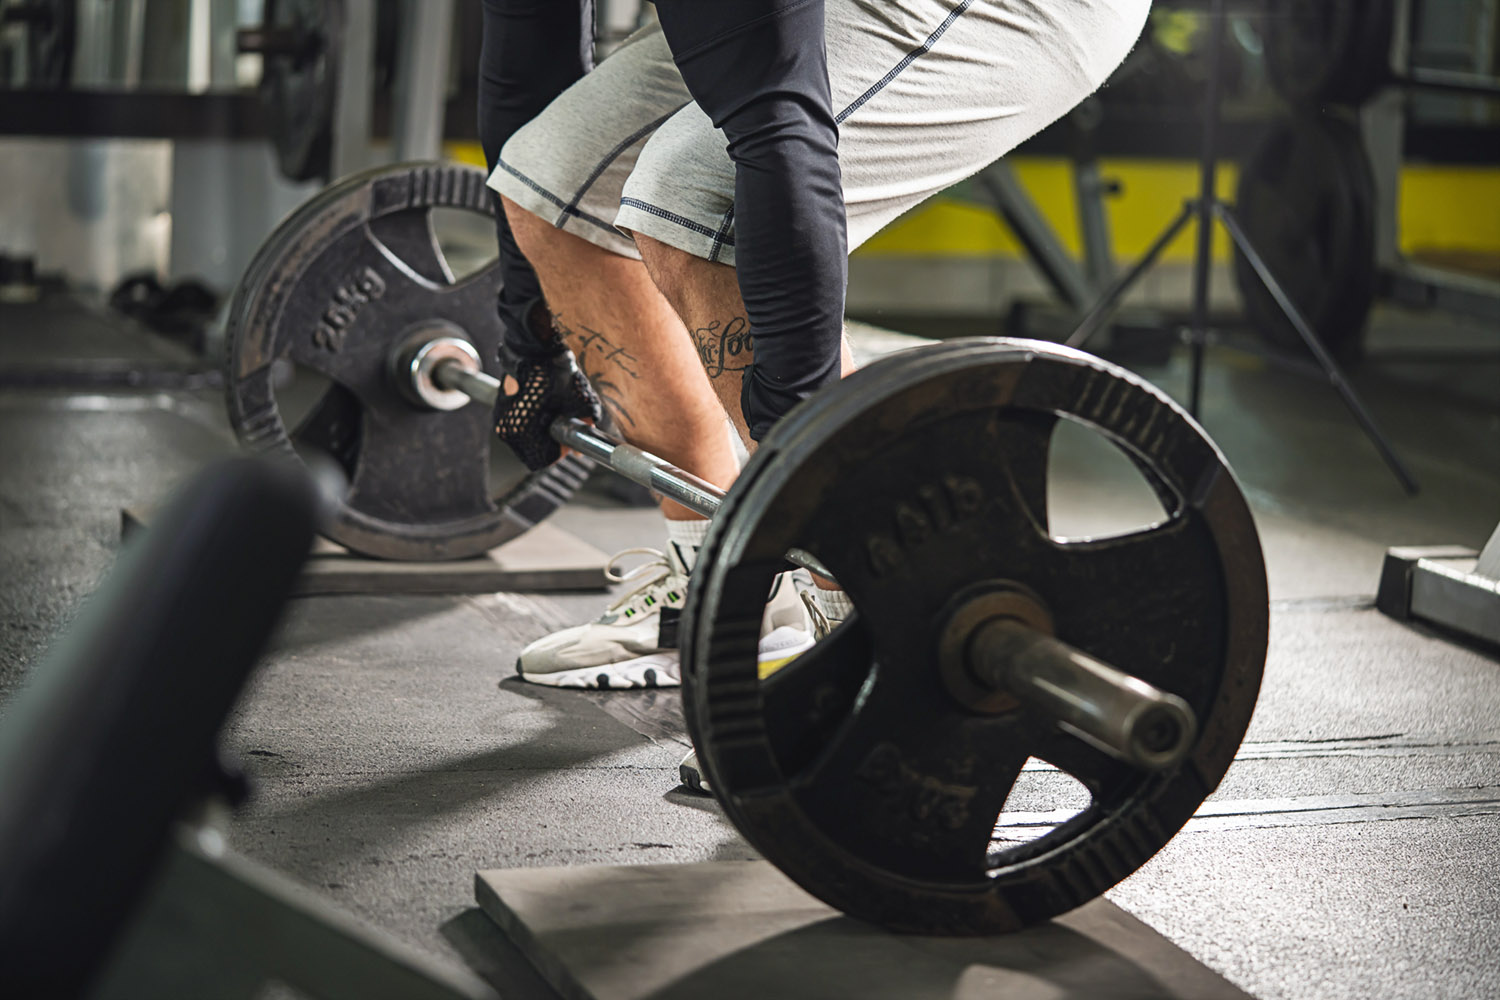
1442,208
471,153
1152,193
1450,208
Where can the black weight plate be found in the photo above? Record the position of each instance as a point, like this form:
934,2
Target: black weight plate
1306,199
297,89
917,480
334,291
1335,51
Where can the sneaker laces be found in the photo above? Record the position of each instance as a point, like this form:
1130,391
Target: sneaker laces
821,623
657,567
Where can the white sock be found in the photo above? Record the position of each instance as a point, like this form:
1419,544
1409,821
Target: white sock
834,604
686,537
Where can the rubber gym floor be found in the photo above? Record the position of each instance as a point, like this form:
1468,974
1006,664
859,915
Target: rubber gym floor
1351,851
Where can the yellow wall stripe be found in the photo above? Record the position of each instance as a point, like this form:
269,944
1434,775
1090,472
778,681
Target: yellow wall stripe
1442,208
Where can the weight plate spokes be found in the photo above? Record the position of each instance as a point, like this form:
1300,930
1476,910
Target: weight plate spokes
343,283
862,768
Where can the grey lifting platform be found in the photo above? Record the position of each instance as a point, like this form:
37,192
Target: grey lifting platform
544,557
1454,587
741,929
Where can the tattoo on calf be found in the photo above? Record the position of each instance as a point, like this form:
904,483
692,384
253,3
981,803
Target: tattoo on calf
603,363
725,347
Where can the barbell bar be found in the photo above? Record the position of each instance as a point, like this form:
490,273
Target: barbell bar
1120,714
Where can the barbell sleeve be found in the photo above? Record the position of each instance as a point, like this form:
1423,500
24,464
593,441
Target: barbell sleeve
1116,712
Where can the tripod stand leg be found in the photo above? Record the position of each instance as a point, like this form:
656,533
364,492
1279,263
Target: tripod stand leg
1325,360
1103,309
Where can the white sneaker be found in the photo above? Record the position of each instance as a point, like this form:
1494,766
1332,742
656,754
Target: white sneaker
633,644
771,660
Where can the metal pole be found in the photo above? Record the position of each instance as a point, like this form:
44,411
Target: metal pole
1330,367
1120,714
1208,171
352,107
1044,249
422,78
1104,309
633,463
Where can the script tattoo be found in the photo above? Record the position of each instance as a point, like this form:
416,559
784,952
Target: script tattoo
603,363
725,347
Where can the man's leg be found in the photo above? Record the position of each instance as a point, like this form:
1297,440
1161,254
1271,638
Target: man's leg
634,349
635,352
630,342
706,298
561,177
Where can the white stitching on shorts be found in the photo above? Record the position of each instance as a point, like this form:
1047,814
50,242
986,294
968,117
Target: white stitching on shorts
613,155
911,57
567,209
662,213
722,236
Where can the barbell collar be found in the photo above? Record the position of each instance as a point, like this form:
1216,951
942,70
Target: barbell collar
635,464
1120,714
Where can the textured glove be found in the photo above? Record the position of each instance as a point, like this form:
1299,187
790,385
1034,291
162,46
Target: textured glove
550,387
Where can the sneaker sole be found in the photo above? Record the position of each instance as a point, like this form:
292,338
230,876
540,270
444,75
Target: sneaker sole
773,662
648,671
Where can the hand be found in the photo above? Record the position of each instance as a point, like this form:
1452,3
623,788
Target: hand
540,389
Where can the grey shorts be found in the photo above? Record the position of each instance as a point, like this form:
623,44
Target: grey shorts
928,92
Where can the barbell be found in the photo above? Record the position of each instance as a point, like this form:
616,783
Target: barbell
874,769
998,649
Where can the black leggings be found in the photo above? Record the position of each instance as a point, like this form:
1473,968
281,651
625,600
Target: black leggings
759,70
531,51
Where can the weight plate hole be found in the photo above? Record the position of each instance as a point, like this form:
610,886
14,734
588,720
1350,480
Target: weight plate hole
327,417
1094,489
1042,799
466,239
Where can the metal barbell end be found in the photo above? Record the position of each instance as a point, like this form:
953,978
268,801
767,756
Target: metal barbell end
1120,714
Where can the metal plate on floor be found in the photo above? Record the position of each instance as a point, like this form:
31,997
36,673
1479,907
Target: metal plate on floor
332,294
737,930
856,768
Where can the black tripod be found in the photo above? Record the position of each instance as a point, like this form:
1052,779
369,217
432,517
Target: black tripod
1206,208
